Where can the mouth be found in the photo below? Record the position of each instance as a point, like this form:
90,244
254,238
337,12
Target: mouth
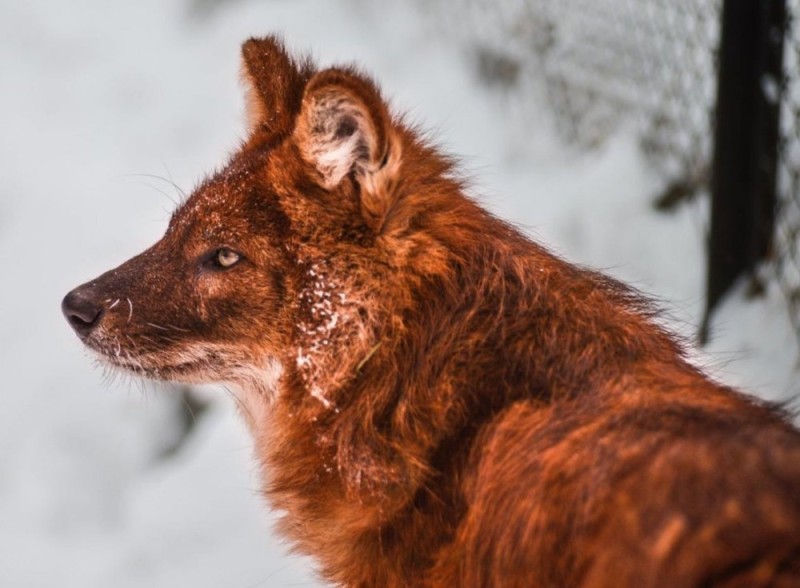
189,363
187,372
116,354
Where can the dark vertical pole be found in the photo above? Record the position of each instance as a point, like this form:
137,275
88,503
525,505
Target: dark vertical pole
746,134
769,93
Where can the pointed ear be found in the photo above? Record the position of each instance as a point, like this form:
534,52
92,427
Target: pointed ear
274,85
344,126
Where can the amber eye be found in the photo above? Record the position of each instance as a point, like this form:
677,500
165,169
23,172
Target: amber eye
226,258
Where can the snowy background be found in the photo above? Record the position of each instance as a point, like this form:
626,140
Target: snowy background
99,484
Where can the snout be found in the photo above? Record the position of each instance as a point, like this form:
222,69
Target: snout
82,310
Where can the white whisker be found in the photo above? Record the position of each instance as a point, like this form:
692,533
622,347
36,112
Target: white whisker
173,327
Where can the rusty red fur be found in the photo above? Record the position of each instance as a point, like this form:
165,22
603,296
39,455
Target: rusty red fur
435,399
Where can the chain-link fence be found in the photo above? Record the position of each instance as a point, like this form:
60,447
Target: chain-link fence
597,64
787,233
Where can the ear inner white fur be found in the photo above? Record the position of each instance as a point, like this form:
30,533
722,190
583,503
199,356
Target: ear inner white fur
340,136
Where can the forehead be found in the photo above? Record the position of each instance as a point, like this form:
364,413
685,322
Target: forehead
219,208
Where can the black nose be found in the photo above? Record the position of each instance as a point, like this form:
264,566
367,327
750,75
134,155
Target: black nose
83,312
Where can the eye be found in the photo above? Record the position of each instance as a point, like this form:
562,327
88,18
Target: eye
225,258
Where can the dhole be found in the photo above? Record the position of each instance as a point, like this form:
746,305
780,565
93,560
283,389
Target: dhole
435,399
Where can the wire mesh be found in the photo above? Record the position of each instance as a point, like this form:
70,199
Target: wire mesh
787,234
601,63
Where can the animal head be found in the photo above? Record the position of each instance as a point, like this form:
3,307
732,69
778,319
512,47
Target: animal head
281,254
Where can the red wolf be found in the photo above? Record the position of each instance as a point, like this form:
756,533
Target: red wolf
435,399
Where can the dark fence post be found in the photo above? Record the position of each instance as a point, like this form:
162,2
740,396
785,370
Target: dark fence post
746,138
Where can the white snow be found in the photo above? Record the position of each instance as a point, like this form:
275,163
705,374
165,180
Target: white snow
319,395
98,98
